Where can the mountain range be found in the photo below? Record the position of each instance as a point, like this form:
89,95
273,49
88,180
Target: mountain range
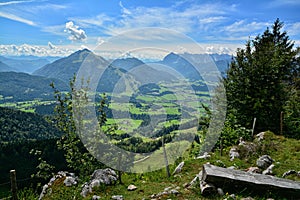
25,86
24,64
65,68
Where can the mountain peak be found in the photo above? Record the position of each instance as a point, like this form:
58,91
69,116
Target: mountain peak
85,50
81,52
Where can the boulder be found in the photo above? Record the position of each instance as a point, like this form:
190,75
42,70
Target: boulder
233,153
174,191
85,190
242,141
131,187
264,161
69,179
95,197
106,176
260,136
269,170
100,176
192,183
204,156
167,191
178,168
117,197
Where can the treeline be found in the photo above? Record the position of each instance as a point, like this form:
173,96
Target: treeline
18,126
137,145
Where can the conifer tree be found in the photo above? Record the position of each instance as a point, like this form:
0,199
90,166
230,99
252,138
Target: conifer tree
257,80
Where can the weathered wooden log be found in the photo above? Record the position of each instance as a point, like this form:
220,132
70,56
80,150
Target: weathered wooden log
230,179
207,188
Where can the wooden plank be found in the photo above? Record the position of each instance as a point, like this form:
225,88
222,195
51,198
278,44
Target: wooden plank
230,179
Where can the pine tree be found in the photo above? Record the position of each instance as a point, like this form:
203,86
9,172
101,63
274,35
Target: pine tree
256,81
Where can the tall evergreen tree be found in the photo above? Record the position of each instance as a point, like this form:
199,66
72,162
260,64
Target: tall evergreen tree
256,81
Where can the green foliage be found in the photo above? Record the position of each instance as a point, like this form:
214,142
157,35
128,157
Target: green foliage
76,155
20,126
292,114
232,132
45,170
257,79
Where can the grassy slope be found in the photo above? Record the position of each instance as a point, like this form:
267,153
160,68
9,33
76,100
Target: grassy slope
285,152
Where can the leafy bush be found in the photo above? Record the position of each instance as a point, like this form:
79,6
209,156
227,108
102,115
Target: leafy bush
232,132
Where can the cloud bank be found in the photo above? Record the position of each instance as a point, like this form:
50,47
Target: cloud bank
35,50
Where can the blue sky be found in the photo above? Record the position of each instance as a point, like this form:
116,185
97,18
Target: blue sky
59,27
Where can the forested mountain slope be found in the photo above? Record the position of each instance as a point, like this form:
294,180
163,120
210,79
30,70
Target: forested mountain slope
16,126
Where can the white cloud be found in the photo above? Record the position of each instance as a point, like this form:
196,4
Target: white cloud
180,18
97,21
125,11
77,34
243,27
293,29
36,50
209,20
17,18
19,11
39,9
13,2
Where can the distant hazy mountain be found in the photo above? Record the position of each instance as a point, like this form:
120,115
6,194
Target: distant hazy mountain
31,57
5,68
222,61
127,63
24,65
181,65
22,86
180,62
65,68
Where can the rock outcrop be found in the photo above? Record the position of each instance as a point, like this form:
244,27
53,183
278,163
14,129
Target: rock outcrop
264,161
100,176
69,179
